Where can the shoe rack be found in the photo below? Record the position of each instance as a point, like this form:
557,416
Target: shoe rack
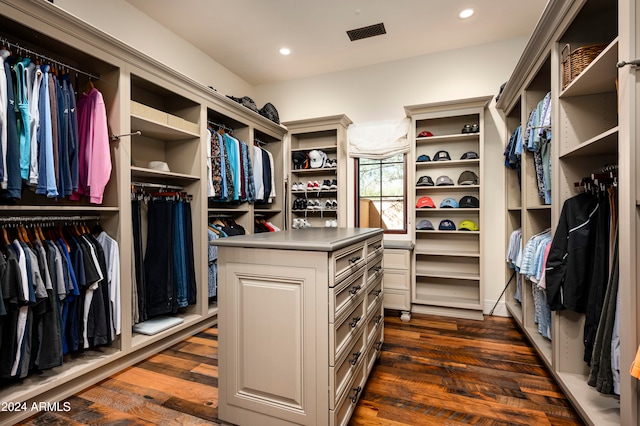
448,266
316,181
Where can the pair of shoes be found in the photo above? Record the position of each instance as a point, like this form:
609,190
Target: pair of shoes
313,185
334,185
300,204
297,186
331,223
331,204
330,163
314,205
299,223
326,185
471,128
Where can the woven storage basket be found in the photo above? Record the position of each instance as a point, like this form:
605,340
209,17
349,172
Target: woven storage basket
573,63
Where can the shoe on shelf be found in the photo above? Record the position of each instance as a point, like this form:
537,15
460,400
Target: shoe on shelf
297,223
334,223
334,163
305,223
327,205
327,223
294,187
326,184
466,128
334,184
296,204
334,204
475,128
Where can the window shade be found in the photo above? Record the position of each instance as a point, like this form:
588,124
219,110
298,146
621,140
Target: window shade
378,140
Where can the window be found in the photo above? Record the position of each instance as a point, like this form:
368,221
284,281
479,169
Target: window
381,188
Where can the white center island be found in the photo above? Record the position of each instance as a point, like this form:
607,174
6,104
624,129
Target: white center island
300,324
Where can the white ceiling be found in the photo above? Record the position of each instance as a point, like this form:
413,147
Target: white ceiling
245,35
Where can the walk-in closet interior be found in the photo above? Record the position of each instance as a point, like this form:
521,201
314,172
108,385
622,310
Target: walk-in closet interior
141,205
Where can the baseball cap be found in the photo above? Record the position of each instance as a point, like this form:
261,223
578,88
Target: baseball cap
470,155
425,202
468,225
447,225
449,203
423,157
425,224
425,181
468,178
159,165
441,156
317,158
424,134
469,201
443,181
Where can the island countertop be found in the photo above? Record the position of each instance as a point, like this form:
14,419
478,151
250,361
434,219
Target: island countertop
309,239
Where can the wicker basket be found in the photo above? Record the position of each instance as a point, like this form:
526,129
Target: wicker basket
573,63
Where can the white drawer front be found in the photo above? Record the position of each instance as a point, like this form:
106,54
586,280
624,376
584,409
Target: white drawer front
397,259
348,364
399,280
397,299
348,260
345,329
343,296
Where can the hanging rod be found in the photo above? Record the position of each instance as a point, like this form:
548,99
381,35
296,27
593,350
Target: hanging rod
259,141
156,185
47,218
46,58
221,126
117,137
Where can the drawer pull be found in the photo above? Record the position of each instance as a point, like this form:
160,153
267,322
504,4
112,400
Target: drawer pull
378,318
355,321
354,259
378,345
377,269
378,247
356,392
356,356
355,289
377,293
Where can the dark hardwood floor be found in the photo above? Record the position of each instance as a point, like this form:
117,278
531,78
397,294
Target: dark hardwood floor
432,371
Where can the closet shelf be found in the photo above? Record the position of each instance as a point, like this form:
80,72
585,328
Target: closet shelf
35,385
326,148
446,301
598,77
448,253
143,172
446,188
449,163
605,143
599,403
440,210
57,209
539,207
139,341
451,275
435,231
542,344
318,171
159,130
462,137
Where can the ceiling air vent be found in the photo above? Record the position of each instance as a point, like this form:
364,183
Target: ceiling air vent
366,32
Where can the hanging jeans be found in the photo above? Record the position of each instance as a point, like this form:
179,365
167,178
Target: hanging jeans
138,258
158,260
191,271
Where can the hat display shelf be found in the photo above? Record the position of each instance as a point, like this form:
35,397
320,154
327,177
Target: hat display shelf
317,168
447,174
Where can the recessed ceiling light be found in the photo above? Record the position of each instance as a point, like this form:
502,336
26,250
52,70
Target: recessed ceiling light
285,51
466,13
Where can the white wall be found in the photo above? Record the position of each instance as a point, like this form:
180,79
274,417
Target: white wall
366,94
381,92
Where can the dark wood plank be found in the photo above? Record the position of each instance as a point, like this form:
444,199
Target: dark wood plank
432,371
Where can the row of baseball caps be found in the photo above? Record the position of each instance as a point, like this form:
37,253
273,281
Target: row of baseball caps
466,178
447,225
444,156
468,201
